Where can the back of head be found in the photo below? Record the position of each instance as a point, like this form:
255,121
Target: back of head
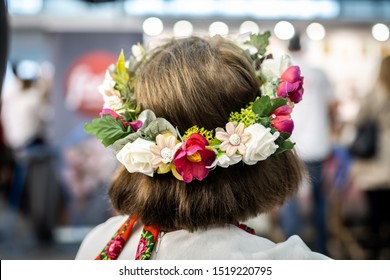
200,82
197,82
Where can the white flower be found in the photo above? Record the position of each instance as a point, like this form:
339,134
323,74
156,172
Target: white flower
137,157
138,52
225,161
273,68
269,89
261,144
111,96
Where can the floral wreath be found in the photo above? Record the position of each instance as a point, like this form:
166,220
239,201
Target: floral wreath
148,144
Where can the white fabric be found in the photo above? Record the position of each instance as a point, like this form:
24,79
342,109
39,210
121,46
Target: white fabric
311,116
22,115
228,242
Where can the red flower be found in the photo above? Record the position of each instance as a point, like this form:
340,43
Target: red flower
114,247
193,157
281,119
291,84
142,247
134,125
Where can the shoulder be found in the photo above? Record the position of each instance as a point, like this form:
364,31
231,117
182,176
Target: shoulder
230,243
294,248
98,237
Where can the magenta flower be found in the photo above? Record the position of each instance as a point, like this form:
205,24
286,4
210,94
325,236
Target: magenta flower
291,84
192,159
142,247
134,125
114,247
281,119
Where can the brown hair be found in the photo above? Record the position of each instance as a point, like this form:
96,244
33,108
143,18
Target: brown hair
198,81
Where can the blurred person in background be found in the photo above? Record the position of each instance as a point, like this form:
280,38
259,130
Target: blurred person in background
6,157
313,135
3,41
372,175
24,106
24,116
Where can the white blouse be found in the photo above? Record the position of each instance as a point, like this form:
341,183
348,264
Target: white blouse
220,243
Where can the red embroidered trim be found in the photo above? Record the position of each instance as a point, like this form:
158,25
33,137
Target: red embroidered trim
146,244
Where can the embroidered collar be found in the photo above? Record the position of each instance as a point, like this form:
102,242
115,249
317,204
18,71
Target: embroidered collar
149,237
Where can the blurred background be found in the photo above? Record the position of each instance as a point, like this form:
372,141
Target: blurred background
54,177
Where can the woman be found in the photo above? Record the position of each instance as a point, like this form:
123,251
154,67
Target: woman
186,189
372,175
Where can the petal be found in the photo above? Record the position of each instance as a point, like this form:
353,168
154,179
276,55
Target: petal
282,110
155,150
208,156
245,137
164,168
291,74
187,176
242,149
160,141
199,138
179,155
224,146
175,173
240,129
135,125
231,150
230,128
180,164
222,136
296,96
193,149
281,91
171,142
156,162
199,170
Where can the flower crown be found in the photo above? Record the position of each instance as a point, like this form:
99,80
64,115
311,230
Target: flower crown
148,144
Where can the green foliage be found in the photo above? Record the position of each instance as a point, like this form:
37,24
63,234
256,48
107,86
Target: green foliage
107,129
260,42
245,116
208,134
264,106
121,74
284,145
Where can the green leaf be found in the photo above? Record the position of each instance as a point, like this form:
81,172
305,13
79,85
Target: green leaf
260,42
265,121
285,135
265,105
284,146
121,68
262,106
107,129
276,103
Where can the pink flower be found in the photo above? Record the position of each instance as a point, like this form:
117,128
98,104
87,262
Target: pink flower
134,125
281,119
233,139
114,247
142,247
291,84
193,157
